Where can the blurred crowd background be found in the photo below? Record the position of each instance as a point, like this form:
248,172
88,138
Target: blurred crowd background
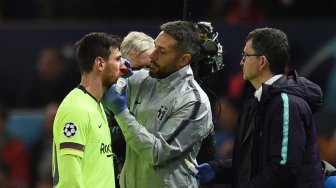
38,66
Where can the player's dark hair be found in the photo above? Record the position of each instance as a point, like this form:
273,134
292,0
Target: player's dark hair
93,45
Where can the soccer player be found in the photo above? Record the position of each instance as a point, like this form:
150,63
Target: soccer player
82,153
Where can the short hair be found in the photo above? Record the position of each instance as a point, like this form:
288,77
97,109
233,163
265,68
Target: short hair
135,43
186,34
93,45
272,43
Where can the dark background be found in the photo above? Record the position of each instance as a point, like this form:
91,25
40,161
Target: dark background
28,26
20,44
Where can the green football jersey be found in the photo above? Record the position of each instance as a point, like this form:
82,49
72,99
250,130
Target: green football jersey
81,129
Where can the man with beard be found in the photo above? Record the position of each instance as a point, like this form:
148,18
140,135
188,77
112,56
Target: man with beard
82,153
168,115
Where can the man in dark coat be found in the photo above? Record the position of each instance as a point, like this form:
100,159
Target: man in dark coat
275,144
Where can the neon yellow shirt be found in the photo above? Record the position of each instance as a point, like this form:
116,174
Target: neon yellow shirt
82,149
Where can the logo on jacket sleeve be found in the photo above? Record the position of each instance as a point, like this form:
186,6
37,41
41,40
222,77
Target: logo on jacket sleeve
161,112
69,129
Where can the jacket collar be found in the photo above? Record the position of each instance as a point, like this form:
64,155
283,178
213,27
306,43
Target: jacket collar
270,81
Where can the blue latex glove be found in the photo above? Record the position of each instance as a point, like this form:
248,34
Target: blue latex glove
205,172
129,71
330,182
114,101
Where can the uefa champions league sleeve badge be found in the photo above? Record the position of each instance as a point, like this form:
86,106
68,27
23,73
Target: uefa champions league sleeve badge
69,129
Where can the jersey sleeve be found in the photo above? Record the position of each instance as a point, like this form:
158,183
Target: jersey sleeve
72,130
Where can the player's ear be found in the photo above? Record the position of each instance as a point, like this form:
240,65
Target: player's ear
184,60
99,63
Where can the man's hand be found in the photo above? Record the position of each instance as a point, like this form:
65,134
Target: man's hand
114,101
127,72
205,172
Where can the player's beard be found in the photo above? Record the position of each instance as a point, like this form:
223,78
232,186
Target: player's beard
108,82
155,71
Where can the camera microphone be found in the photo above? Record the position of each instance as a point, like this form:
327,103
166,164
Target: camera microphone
209,47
